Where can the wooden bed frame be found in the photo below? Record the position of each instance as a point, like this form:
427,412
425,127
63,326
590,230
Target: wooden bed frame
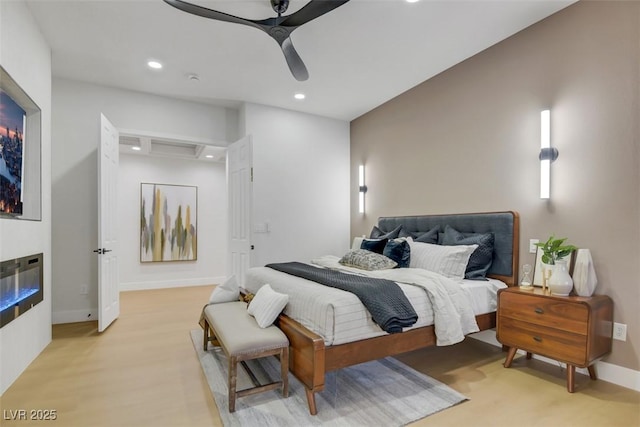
310,359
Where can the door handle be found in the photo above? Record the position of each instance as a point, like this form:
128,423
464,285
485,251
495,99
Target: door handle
101,251
98,251
104,251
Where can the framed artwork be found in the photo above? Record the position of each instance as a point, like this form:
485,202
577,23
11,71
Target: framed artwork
20,196
538,268
168,222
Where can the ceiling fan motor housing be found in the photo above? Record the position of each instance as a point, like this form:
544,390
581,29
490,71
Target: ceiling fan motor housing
280,6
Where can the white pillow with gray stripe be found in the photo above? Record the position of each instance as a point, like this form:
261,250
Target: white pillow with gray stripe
228,291
266,305
449,261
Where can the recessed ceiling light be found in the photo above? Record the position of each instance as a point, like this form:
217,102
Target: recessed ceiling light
209,156
136,148
154,64
413,1
299,96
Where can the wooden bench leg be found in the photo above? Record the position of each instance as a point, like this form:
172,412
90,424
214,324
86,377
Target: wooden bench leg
284,370
205,344
233,368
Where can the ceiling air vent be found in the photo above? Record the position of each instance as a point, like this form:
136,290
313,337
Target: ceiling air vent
175,149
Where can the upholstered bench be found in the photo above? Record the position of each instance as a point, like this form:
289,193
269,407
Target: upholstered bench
242,339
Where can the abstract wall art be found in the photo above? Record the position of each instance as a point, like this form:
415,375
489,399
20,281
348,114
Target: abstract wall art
168,222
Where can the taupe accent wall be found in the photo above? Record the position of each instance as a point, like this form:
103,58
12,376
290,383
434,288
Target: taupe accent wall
468,140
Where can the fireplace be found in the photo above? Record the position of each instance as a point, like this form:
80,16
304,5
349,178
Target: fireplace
21,286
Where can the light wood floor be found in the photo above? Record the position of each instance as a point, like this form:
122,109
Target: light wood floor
143,372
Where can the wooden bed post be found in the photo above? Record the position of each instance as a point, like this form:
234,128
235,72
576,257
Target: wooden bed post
306,357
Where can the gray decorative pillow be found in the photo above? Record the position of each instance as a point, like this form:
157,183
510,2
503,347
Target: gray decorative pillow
367,260
430,236
481,259
376,233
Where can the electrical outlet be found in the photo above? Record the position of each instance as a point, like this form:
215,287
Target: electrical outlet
532,246
84,289
620,331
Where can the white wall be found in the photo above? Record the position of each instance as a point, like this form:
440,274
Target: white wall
301,183
210,178
25,55
76,125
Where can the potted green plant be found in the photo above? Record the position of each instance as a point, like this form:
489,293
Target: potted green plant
553,250
557,277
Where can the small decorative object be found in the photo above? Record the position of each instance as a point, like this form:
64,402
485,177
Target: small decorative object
550,252
526,282
584,274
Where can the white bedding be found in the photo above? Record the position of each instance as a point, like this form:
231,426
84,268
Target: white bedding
339,316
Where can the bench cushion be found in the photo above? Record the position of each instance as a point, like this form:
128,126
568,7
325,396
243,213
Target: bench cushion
239,332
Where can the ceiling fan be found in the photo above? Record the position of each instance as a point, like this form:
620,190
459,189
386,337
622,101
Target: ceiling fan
278,28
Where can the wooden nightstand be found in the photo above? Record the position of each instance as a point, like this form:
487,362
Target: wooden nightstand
574,330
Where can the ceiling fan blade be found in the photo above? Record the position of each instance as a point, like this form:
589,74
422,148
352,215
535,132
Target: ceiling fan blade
310,11
210,13
297,67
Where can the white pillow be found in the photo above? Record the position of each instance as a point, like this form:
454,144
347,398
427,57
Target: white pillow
357,242
227,292
266,305
449,261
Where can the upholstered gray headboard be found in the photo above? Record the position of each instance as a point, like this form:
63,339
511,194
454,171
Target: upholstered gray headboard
504,226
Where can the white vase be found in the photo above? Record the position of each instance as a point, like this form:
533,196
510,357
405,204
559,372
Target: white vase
560,282
584,274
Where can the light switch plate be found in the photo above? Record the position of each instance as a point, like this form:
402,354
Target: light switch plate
532,246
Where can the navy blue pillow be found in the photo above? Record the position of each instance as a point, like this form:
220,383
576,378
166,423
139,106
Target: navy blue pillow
376,233
481,259
374,245
399,251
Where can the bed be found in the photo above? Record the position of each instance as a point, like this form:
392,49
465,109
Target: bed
314,351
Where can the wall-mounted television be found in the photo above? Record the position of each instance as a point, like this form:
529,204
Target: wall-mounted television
20,152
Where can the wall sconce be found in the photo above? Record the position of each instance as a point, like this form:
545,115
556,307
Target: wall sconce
547,154
361,189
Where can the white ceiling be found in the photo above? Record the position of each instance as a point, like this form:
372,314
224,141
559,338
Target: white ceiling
359,56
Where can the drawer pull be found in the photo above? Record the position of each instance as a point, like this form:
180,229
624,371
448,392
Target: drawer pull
539,310
538,339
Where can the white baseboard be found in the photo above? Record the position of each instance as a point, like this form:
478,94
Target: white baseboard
164,284
609,372
73,316
91,314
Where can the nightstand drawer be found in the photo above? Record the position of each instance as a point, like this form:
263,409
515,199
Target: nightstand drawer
549,312
565,346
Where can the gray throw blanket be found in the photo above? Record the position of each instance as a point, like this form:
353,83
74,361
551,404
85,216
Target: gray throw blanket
389,307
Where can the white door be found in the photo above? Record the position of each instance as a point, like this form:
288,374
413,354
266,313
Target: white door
239,182
108,292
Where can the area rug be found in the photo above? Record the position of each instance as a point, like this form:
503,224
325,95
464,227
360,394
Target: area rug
384,392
